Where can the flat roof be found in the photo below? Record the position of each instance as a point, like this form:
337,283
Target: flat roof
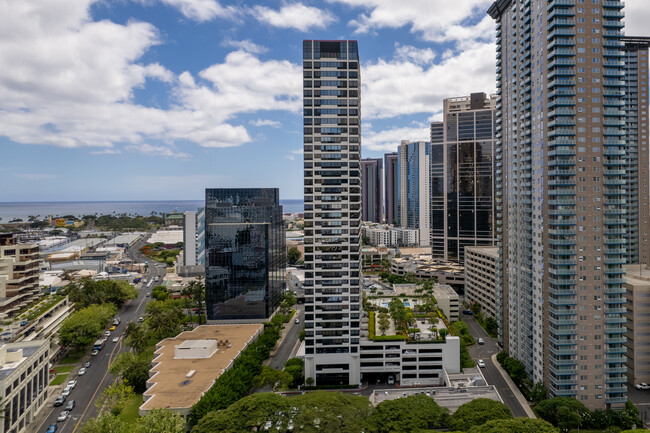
484,249
169,386
450,397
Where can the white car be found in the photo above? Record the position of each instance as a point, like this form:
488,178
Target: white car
481,363
63,415
72,384
94,352
66,391
107,333
82,371
642,386
116,339
481,341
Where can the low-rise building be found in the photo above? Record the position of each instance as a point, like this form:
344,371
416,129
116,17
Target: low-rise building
389,236
186,366
24,377
423,266
480,273
448,301
637,341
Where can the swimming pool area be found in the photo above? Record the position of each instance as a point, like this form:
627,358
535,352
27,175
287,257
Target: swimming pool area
385,304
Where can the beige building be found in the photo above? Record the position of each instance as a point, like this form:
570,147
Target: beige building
480,283
19,266
23,383
448,301
186,366
637,288
423,266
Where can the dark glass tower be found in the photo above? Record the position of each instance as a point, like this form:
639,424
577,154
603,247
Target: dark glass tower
245,253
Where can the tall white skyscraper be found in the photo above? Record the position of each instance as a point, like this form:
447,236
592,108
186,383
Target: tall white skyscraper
332,160
414,186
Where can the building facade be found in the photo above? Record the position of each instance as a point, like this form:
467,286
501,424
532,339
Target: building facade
413,185
480,282
332,178
372,198
194,238
636,140
392,236
391,189
19,265
637,287
245,253
462,176
24,373
561,194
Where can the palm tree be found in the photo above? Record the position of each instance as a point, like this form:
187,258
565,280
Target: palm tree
187,294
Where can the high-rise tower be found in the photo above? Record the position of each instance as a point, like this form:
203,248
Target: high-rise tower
561,192
390,187
462,176
332,157
372,179
413,184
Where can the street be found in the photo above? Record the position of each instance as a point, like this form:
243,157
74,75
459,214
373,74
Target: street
282,355
492,375
91,385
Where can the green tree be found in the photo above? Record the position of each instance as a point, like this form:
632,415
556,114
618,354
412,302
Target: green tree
293,255
246,415
409,414
82,328
324,411
161,421
160,293
384,323
114,398
517,425
478,412
549,410
271,377
86,292
295,367
136,337
107,423
197,291
133,369
539,392
568,419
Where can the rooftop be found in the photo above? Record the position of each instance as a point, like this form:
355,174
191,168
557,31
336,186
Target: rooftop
172,386
450,397
485,249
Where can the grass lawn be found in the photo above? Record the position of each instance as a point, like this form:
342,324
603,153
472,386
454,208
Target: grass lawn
72,357
59,379
63,368
130,413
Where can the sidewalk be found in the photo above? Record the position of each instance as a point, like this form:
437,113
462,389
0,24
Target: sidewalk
515,390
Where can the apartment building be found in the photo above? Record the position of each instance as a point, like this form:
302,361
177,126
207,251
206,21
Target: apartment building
19,265
391,188
480,282
332,178
637,325
372,194
413,185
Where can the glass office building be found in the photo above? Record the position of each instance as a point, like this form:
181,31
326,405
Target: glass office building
245,253
413,185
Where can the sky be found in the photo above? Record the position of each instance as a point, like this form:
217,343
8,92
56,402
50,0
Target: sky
160,99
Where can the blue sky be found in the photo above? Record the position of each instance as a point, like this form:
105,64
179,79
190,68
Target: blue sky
159,99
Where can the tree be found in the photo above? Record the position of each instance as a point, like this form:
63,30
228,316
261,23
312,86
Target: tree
324,411
275,378
568,419
160,293
293,255
517,425
86,292
161,421
295,367
384,323
82,328
133,369
114,398
478,412
248,414
491,326
107,423
197,291
549,410
409,414
539,392
136,337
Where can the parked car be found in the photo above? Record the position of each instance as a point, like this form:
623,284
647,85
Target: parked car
82,371
468,312
141,319
66,391
72,384
391,380
107,333
642,386
297,321
59,400
116,339
63,416
52,428
94,352
71,404
87,364
112,328
481,363
148,294
481,341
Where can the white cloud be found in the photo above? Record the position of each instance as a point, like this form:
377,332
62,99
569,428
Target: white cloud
245,45
637,16
106,152
408,53
265,122
397,87
434,20
388,140
199,10
149,149
294,16
292,155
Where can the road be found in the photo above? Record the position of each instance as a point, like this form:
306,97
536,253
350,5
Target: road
91,385
492,375
282,355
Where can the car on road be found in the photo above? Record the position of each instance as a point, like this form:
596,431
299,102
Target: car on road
481,363
71,404
147,294
87,364
141,319
52,428
116,339
107,333
59,400
297,321
642,386
82,371
66,391
63,416
468,312
481,341
94,352
72,384
112,328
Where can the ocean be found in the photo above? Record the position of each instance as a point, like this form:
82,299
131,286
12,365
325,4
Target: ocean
23,210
